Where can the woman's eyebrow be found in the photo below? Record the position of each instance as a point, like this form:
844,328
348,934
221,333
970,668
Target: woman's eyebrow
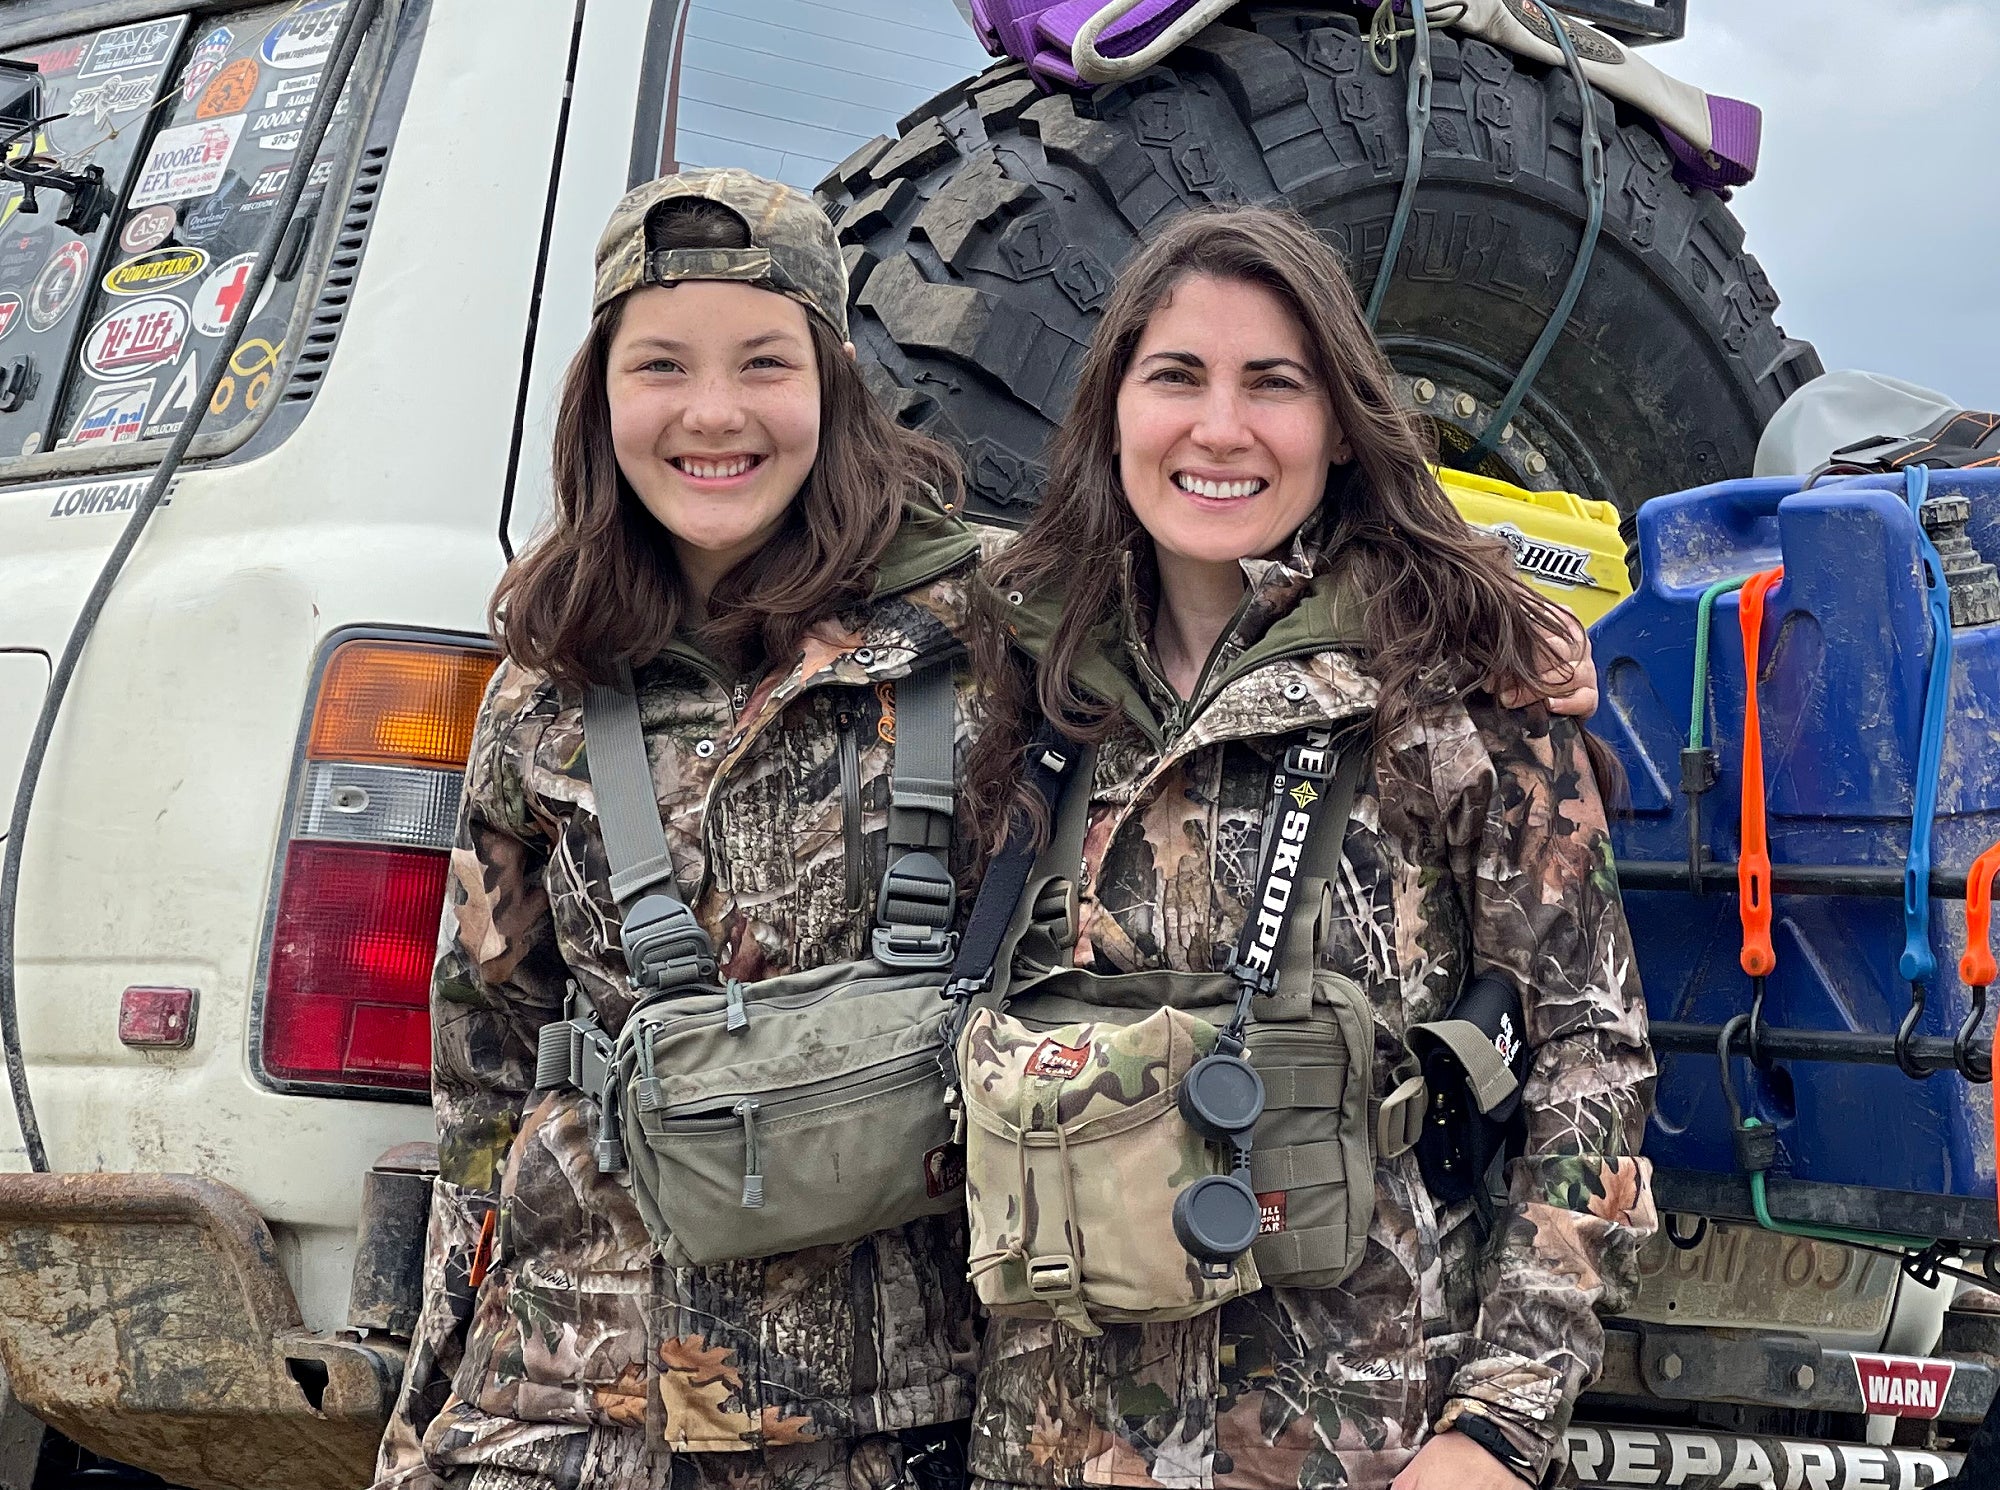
1186,359
1265,364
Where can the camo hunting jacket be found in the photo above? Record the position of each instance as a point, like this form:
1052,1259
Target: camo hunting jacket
1477,841
580,1357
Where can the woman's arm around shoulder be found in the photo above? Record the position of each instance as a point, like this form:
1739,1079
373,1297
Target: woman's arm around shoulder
499,977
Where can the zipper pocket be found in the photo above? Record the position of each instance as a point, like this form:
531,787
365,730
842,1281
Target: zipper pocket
722,1114
850,806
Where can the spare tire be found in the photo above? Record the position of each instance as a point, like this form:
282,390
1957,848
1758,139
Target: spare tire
982,244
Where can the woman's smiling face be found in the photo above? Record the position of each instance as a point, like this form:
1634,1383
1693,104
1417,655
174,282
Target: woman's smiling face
714,394
1225,434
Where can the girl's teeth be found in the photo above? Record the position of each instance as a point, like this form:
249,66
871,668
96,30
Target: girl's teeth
716,470
1219,490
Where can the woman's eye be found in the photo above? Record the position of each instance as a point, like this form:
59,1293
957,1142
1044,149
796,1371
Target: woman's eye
765,364
660,365
1178,375
1279,385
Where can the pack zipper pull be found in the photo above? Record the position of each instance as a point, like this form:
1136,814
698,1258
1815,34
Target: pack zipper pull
738,1017
753,1181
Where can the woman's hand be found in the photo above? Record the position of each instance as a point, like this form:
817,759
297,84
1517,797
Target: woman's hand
1570,687
1451,1461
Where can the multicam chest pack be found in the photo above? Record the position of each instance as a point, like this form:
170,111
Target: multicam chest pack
1144,1146
762,1118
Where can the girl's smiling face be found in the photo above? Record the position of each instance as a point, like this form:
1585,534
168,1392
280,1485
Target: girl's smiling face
714,395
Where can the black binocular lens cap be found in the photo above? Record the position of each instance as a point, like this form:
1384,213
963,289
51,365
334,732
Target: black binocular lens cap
1222,1096
1216,1218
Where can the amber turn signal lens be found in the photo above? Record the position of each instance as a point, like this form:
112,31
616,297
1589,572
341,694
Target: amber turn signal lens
399,703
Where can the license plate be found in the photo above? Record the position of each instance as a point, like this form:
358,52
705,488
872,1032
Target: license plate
1743,1277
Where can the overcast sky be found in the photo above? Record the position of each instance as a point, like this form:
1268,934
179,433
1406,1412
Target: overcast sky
1875,209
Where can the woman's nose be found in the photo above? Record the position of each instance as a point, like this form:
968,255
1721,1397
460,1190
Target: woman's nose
1219,424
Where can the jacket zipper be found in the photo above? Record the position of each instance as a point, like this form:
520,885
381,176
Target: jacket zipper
850,804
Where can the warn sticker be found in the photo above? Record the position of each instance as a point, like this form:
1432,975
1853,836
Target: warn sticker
1056,1061
1902,1386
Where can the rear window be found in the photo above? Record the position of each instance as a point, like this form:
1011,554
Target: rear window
195,123
790,88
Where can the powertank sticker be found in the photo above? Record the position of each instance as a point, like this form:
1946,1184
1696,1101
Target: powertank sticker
1539,558
155,270
113,414
187,162
136,338
147,44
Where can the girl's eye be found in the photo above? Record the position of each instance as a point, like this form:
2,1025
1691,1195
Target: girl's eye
660,365
764,364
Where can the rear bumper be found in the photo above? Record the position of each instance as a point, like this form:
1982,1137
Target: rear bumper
146,1316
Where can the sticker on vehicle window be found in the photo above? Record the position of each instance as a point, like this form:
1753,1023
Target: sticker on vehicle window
187,162
147,44
177,402
148,229
57,286
10,314
230,91
205,61
221,295
117,94
136,338
305,40
113,414
155,270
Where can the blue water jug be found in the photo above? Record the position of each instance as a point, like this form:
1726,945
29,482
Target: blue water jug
1845,654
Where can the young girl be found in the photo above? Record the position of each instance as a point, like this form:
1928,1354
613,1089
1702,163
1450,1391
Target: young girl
1240,540
737,520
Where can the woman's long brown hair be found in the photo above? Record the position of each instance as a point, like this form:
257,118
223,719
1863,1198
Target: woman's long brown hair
601,584
1443,611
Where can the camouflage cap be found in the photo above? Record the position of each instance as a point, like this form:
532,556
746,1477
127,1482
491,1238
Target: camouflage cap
792,247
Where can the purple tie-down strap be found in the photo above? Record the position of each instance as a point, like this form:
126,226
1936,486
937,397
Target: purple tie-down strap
1738,129
1041,34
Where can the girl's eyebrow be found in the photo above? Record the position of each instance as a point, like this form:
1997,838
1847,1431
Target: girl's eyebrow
668,344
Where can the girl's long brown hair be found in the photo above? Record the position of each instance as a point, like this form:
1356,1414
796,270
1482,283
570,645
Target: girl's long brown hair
601,583
1443,611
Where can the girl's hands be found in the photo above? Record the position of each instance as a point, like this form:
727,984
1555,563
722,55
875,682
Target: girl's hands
1568,688
1451,1461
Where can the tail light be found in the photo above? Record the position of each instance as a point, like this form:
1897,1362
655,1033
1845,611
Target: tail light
354,930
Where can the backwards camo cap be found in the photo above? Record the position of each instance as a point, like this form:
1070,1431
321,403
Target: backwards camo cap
792,247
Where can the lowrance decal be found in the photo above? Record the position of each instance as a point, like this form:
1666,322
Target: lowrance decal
89,498
137,337
306,39
187,162
1903,1386
1538,558
1664,1457
112,414
147,44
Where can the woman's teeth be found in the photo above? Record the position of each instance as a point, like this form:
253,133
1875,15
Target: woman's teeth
1219,490
716,470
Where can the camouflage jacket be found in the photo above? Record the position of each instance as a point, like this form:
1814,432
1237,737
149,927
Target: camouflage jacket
1477,840
580,1356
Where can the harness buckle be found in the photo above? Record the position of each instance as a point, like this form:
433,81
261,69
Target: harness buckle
665,947
1053,1275
915,909
1400,1122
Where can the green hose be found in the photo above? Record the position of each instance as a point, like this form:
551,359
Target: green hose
1698,714
1825,1233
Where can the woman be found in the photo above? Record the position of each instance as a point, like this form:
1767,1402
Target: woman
735,518
1241,540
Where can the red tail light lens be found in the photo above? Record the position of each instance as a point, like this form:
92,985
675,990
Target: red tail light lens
349,990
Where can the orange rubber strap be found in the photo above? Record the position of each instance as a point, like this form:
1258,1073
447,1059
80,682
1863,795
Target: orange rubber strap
482,1251
1976,967
1753,867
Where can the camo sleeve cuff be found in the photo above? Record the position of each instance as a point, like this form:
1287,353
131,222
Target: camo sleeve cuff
1523,1399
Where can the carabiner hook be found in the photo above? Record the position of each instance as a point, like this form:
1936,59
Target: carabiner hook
1906,1031
1971,1065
